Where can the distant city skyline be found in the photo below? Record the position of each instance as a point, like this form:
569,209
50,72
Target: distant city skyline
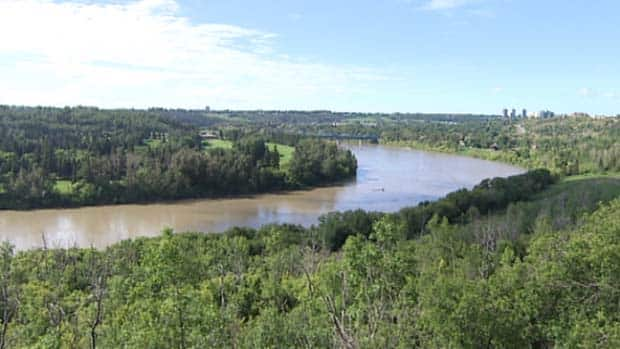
453,56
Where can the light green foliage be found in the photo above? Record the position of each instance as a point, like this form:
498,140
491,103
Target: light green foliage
218,143
285,151
63,186
153,143
561,206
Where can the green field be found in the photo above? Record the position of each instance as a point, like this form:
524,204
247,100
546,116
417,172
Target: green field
153,143
562,205
218,143
286,153
592,176
585,187
63,186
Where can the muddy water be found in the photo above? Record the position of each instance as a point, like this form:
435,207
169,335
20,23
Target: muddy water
388,179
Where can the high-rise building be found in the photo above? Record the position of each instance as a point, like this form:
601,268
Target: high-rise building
524,113
505,113
545,114
513,113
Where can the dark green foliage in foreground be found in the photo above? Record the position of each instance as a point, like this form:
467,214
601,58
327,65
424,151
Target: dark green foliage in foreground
455,286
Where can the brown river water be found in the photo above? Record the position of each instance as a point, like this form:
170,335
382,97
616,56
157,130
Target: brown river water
388,179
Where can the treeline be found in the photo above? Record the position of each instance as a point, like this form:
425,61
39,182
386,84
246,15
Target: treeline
459,207
453,286
566,146
53,157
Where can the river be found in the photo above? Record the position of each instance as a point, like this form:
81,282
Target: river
388,179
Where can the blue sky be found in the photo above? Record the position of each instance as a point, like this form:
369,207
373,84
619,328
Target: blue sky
472,56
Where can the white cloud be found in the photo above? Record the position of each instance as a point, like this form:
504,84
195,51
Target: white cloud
586,92
612,95
446,4
591,93
145,54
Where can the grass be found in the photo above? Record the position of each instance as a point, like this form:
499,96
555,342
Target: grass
606,187
218,143
286,153
63,186
592,176
148,144
574,196
153,143
561,206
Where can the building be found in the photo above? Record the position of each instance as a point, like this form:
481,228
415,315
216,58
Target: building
580,114
206,134
512,114
545,114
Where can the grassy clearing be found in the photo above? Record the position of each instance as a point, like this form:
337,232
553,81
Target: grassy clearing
561,206
63,186
218,143
604,187
286,152
153,143
574,196
592,176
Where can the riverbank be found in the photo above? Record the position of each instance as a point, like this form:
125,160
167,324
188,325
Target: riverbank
407,177
484,154
504,156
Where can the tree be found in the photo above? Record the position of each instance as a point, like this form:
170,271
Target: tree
9,291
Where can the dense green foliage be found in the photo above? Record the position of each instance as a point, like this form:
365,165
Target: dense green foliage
529,261
456,285
461,206
86,156
319,162
567,146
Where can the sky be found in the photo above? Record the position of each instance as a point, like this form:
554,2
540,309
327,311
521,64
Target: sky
458,56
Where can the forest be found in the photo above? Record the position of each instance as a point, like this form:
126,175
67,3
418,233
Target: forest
566,145
51,157
528,261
